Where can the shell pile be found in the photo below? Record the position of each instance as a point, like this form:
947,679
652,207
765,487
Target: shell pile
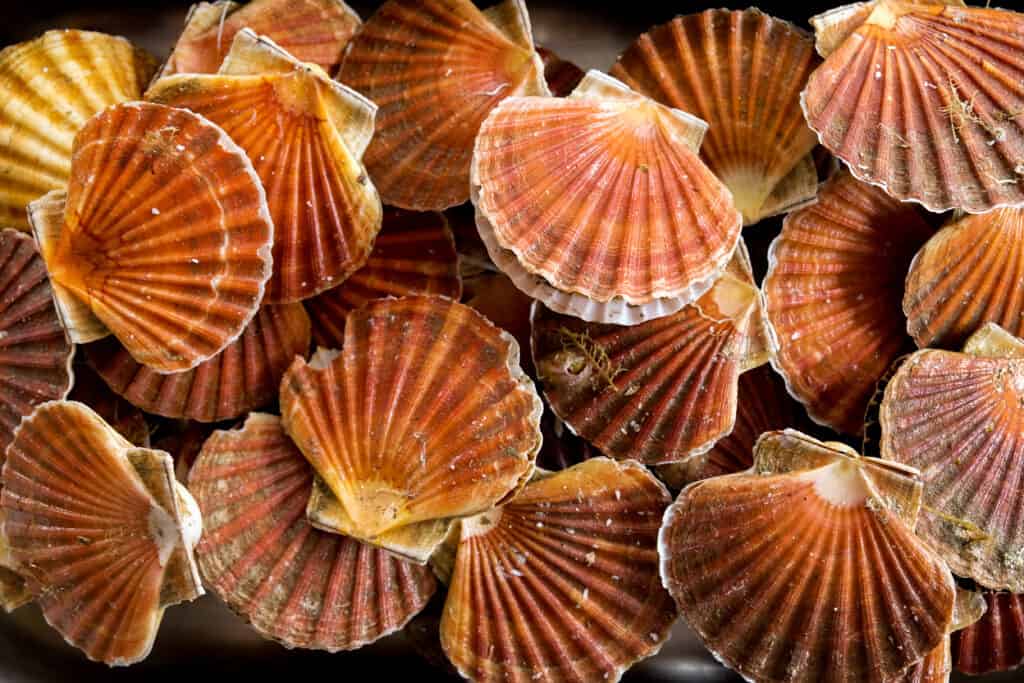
373,312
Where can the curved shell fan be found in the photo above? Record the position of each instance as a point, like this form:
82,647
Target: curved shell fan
458,437
562,76
996,641
436,68
562,583
742,72
100,529
35,354
244,376
49,88
294,584
835,279
305,145
413,254
807,568
633,226
927,101
314,31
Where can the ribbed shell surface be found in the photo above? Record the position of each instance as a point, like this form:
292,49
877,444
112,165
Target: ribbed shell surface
996,641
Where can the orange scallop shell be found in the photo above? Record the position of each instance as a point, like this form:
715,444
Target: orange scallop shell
835,279
561,584
562,76
49,88
305,134
806,567
436,68
741,71
404,443
314,31
926,100
996,641
175,280
296,585
413,254
100,529
244,376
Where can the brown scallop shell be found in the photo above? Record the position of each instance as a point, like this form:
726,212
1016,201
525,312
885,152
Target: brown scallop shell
562,76
296,585
996,641
49,88
100,529
561,584
460,427
413,254
314,31
305,134
495,296
835,279
436,68
741,71
925,100
243,377
807,567
175,280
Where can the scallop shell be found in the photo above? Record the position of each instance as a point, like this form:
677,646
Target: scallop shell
806,567
996,642
294,584
305,144
741,71
965,276
957,417
35,354
562,76
100,529
244,376
496,297
561,584
314,31
13,592
125,418
436,68
835,279
174,280
661,391
413,254
926,101
461,432
49,88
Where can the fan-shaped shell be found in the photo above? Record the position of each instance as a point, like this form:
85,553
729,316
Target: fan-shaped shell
49,88
562,76
965,276
806,567
294,584
561,584
35,354
661,391
163,237
741,71
926,100
404,443
436,68
305,134
413,254
100,529
835,279
996,641
314,31
244,376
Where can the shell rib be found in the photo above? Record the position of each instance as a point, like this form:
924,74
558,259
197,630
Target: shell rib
305,134
562,583
633,226
742,72
926,101
49,88
296,585
314,31
404,444
996,642
100,529
835,279
163,237
436,68
413,254
806,567
244,376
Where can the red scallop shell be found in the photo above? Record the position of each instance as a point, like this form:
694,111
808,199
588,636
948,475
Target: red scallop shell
996,641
